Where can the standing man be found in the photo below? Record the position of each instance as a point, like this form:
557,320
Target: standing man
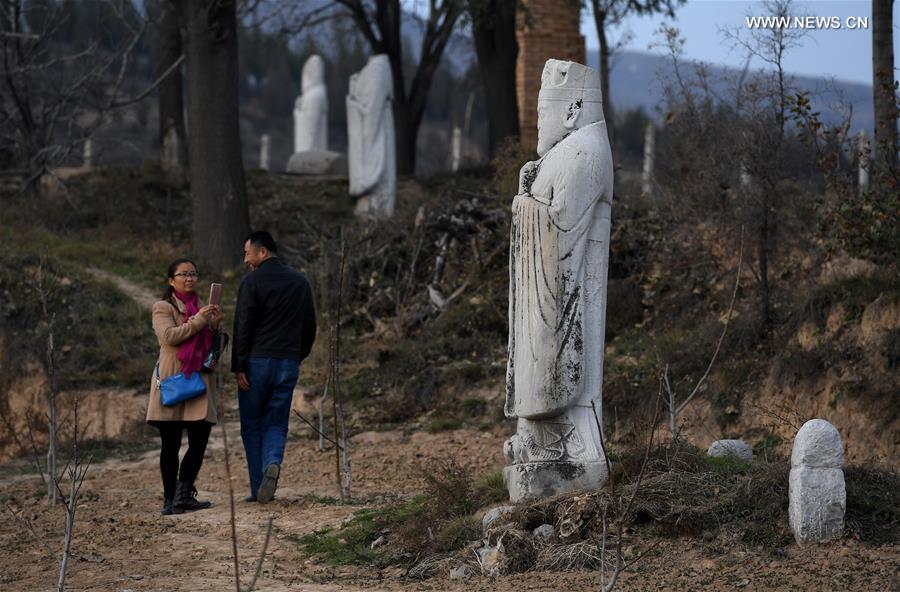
274,330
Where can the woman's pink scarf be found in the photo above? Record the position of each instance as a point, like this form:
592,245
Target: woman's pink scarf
193,352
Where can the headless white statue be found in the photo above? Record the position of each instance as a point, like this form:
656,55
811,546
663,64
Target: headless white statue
311,108
559,253
370,134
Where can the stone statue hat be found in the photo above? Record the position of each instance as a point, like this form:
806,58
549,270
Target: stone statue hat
569,81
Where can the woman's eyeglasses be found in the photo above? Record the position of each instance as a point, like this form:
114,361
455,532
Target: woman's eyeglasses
187,274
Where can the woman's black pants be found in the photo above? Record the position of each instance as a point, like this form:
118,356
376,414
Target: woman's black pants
170,433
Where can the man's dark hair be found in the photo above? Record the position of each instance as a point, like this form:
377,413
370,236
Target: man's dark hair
261,238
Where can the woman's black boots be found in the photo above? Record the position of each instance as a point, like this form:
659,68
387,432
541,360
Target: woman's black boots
167,509
186,499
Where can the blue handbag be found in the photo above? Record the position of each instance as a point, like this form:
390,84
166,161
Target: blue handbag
178,388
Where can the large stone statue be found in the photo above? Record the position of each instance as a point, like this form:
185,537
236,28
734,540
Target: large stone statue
558,261
370,135
311,155
311,108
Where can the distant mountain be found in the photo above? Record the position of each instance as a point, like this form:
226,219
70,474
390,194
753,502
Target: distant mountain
638,79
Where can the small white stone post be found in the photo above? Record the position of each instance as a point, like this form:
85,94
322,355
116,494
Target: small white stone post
862,148
455,149
88,156
649,151
264,152
816,492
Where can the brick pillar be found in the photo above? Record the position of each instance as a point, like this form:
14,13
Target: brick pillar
554,32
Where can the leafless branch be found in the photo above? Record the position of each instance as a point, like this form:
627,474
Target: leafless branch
30,527
676,408
262,556
607,583
318,431
234,545
147,91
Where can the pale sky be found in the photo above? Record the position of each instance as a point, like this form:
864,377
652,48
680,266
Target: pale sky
845,54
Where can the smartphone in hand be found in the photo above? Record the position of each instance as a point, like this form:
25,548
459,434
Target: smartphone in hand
215,294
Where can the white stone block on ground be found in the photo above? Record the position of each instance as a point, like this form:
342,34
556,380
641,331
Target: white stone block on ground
730,448
317,162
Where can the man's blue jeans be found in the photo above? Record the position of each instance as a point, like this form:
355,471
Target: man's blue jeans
265,411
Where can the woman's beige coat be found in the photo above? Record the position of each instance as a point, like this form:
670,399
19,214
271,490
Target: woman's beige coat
171,331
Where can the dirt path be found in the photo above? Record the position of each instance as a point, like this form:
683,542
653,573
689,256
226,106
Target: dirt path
135,292
119,524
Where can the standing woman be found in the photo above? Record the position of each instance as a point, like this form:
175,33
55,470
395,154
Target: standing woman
184,331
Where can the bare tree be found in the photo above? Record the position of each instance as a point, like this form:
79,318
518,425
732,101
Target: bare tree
167,48
56,92
674,406
884,87
380,23
494,33
234,540
76,470
343,469
49,321
764,110
622,505
611,13
221,218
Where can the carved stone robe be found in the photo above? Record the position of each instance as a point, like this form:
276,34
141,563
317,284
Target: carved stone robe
557,290
311,119
370,136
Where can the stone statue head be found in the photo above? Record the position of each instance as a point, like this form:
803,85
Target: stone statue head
570,99
313,72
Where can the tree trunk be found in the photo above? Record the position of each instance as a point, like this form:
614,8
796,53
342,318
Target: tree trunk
408,107
405,132
173,149
221,219
494,32
600,24
883,85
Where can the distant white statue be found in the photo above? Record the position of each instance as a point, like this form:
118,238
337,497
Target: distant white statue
311,108
559,253
311,155
370,136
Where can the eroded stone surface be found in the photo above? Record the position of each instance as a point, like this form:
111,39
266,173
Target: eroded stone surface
559,254
492,559
494,515
818,445
730,448
460,572
543,533
818,497
371,154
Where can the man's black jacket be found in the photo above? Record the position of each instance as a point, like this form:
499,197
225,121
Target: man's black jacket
275,315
